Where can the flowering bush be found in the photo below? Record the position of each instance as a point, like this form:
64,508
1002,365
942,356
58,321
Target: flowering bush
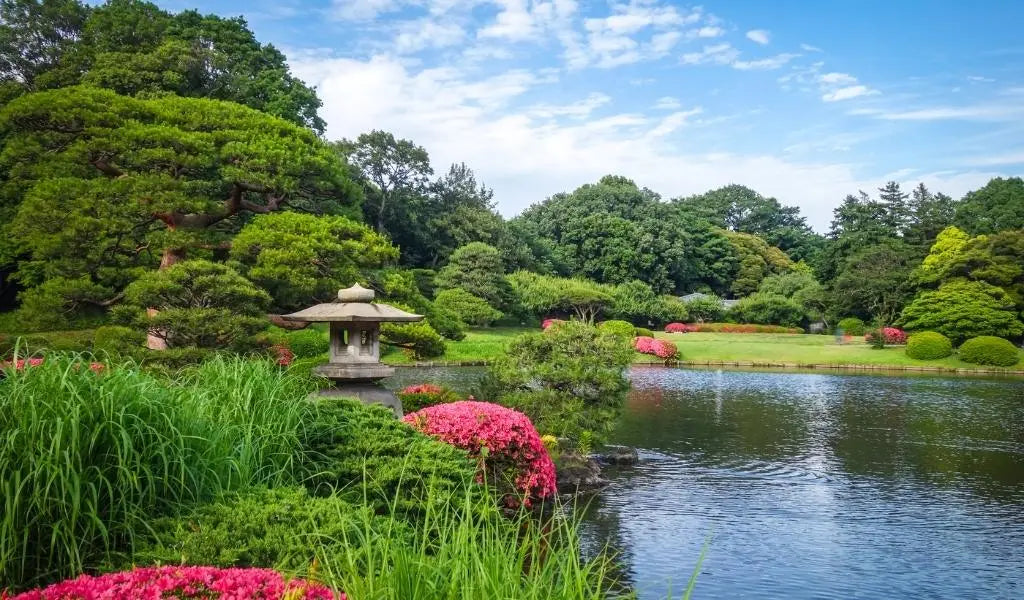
284,355
891,335
182,583
416,397
504,441
679,328
660,348
546,323
21,363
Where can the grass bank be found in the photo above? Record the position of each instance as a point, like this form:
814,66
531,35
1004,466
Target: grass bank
757,348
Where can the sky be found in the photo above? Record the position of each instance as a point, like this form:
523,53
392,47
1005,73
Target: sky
803,101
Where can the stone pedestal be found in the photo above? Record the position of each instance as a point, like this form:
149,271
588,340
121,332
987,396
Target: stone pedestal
367,393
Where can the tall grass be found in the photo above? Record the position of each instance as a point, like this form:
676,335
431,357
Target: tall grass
87,459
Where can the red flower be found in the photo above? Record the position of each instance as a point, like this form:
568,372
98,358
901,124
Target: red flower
549,322
677,328
284,355
422,388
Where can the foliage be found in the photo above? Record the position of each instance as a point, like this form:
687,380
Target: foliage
34,36
505,443
768,309
623,328
199,303
997,259
637,302
446,322
419,338
989,350
757,260
874,283
121,446
455,212
478,269
675,328
739,328
997,206
705,308
567,379
802,288
963,309
54,341
543,295
852,326
186,582
549,323
117,340
307,343
416,397
660,348
642,331
470,309
928,345
363,453
889,335
302,259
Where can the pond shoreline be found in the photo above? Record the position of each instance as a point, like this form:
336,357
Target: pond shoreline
758,365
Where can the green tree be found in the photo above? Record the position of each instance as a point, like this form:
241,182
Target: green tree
34,36
705,309
543,295
897,209
458,211
395,173
102,186
930,214
636,302
302,259
200,303
768,309
997,206
757,261
997,259
874,283
470,309
962,309
802,288
478,269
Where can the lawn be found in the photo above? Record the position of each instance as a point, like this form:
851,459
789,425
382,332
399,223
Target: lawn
790,349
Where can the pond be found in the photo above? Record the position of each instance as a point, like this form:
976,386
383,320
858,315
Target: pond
815,485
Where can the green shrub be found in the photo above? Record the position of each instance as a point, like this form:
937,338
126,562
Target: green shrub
705,309
284,529
470,309
419,338
307,343
118,341
352,448
303,368
989,350
768,309
416,397
51,341
929,345
172,360
853,326
643,332
446,323
623,328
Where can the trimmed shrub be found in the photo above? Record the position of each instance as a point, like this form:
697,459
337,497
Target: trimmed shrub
419,338
655,347
416,397
708,308
307,343
675,328
768,309
852,326
470,309
623,328
446,323
643,332
185,583
989,350
504,441
890,335
929,345
117,340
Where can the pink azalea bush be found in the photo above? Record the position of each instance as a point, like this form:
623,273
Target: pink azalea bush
416,397
892,335
546,323
678,328
504,441
182,582
653,346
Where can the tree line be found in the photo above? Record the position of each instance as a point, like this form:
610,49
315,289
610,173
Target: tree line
133,139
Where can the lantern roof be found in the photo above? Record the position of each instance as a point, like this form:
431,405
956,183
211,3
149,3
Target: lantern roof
353,304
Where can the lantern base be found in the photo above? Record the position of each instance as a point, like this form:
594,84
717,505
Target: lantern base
343,373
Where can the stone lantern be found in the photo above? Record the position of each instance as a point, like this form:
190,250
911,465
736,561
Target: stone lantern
354,365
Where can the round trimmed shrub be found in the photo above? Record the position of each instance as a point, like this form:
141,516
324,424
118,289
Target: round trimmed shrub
929,345
853,326
643,332
623,328
307,343
989,350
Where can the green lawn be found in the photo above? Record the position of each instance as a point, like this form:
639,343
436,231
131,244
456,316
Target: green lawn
789,349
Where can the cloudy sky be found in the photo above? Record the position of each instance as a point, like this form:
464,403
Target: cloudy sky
804,101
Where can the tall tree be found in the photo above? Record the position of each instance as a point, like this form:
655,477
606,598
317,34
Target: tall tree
930,214
34,36
478,269
459,211
897,209
395,171
874,283
105,183
997,206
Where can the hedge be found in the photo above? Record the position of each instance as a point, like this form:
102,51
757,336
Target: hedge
989,350
852,326
929,345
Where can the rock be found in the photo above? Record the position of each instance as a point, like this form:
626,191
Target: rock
577,473
618,455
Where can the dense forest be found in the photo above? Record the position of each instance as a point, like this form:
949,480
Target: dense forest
150,158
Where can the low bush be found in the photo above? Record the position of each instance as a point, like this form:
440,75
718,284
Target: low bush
890,335
547,323
928,345
446,323
989,350
51,341
676,328
643,332
852,326
739,328
655,347
623,328
206,583
768,309
706,308
416,397
118,341
470,309
303,368
505,443
307,343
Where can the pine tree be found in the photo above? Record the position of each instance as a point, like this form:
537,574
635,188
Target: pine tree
898,214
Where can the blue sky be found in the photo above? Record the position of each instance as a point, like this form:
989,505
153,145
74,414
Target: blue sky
804,101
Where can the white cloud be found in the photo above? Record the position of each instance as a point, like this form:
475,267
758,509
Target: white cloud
720,54
848,92
759,36
981,112
673,122
809,48
425,33
979,79
576,110
667,103
362,10
774,62
708,31
838,78
1012,158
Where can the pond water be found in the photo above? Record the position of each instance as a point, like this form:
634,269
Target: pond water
815,485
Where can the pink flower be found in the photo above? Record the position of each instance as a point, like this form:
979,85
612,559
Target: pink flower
284,355
891,335
660,348
21,363
422,388
549,322
511,442
677,328
184,582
